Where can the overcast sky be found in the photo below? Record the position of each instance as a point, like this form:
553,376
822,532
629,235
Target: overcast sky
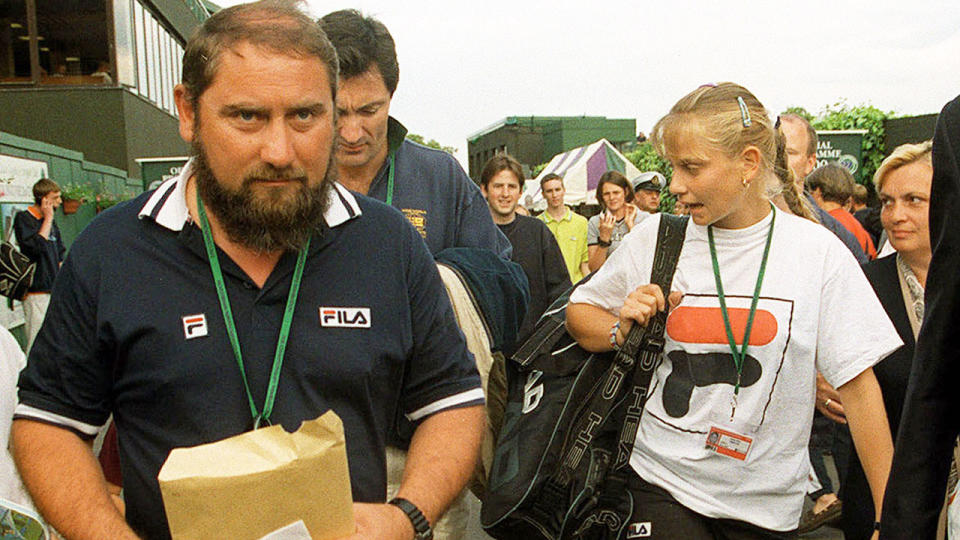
466,65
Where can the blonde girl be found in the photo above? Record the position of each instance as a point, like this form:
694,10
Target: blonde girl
761,301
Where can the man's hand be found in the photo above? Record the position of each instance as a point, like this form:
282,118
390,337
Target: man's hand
47,207
630,215
380,522
828,401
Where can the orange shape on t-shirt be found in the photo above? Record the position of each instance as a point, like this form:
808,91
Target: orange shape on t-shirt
705,325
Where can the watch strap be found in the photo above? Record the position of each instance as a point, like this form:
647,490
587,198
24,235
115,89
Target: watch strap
421,526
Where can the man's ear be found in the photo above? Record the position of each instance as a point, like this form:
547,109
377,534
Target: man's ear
811,163
186,111
483,189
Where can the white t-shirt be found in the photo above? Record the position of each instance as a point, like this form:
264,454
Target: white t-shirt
12,360
816,312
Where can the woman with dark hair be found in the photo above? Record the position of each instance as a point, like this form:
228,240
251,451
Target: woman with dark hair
617,217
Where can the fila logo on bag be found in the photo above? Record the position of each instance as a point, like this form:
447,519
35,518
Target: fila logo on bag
345,317
640,529
194,326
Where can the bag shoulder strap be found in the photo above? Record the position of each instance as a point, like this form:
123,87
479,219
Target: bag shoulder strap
650,340
669,244
643,344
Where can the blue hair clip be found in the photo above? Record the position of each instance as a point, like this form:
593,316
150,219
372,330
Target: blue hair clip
744,113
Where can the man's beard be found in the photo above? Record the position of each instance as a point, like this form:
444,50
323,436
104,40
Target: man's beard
267,219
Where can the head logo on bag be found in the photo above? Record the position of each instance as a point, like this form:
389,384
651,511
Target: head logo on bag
532,392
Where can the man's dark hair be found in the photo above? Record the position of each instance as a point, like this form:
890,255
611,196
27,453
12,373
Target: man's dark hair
362,42
501,162
277,25
548,177
42,188
859,194
834,182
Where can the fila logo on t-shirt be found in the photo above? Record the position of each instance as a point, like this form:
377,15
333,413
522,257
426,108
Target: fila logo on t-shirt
640,529
194,326
345,317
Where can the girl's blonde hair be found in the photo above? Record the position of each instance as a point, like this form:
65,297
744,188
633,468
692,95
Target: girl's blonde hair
726,116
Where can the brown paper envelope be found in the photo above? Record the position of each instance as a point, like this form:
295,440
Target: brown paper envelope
249,485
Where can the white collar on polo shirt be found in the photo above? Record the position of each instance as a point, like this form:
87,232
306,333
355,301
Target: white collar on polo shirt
168,204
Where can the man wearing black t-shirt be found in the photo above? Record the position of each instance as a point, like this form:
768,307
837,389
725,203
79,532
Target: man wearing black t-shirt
534,247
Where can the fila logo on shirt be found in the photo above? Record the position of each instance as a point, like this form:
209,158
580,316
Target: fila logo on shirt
194,326
345,317
641,529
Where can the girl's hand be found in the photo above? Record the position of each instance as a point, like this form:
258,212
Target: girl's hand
607,222
641,305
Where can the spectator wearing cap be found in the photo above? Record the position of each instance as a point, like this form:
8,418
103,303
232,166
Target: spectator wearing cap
647,188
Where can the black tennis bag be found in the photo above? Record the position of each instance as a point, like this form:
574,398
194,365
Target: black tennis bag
561,462
16,272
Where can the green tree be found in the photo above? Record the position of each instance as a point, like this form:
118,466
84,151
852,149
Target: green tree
801,112
432,143
536,170
841,115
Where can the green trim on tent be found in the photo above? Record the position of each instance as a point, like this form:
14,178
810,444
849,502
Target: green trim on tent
614,163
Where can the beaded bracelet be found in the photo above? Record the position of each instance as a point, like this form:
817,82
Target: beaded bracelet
613,336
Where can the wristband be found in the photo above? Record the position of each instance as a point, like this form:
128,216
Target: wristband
613,336
876,525
601,243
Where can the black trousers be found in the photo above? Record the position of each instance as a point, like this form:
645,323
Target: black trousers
658,515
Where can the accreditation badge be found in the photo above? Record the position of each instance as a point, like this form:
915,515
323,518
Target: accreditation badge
730,437
728,443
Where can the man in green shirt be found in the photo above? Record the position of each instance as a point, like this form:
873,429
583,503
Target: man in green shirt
568,228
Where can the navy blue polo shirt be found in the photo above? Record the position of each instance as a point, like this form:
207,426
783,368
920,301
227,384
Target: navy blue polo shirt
439,199
134,328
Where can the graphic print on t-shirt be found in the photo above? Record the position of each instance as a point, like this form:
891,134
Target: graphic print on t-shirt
701,366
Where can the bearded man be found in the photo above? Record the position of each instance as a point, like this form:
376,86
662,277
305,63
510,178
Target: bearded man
170,311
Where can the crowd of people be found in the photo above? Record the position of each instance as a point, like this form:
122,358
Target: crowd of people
199,310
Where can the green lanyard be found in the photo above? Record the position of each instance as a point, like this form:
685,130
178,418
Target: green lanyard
389,200
258,417
739,354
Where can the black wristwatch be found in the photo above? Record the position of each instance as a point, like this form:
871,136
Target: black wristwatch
421,527
601,243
